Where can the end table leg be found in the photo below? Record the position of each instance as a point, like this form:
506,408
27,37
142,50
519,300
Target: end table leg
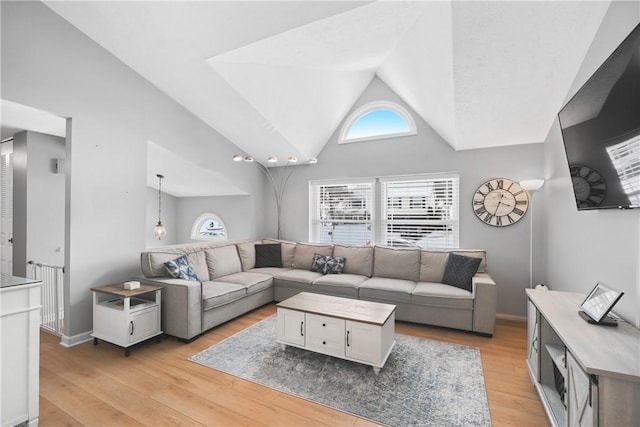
376,370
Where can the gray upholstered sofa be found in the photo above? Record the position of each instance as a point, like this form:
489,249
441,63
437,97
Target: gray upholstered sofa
229,284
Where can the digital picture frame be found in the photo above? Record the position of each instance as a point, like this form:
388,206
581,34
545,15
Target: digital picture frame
598,303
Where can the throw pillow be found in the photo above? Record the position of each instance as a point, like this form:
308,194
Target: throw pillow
459,271
268,255
319,264
179,268
335,264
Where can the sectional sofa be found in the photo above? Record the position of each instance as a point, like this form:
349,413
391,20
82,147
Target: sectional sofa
228,279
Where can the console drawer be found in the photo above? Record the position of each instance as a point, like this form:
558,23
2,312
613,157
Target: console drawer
325,334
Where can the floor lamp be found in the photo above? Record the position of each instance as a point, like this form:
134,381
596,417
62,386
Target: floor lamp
531,186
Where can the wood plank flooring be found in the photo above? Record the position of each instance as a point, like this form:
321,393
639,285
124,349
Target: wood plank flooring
155,386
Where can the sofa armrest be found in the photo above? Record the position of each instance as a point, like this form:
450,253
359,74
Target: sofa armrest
485,303
181,307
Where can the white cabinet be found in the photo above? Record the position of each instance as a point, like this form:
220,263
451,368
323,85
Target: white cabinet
585,374
126,317
343,332
291,327
20,304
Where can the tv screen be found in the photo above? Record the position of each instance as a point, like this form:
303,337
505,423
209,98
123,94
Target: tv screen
601,132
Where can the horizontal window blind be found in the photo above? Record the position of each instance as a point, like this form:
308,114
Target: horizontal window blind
341,212
421,211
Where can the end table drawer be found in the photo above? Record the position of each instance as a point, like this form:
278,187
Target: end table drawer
325,334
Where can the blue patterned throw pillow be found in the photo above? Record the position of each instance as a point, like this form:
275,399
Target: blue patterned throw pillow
334,264
180,269
459,271
319,264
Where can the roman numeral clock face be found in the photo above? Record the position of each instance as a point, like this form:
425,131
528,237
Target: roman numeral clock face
500,202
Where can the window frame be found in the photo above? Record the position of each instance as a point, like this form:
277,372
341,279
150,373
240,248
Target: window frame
314,207
197,224
453,220
373,106
381,203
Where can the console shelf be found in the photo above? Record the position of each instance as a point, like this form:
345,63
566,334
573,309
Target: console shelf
585,374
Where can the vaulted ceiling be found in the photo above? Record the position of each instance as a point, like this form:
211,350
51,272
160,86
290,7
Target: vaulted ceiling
278,78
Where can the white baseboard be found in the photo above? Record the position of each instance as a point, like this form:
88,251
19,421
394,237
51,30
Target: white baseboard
514,317
67,341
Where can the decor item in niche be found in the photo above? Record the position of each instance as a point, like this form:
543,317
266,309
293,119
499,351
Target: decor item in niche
269,255
423,383
588,185
531,186
159,231
180,269
500,202
277,178
459,271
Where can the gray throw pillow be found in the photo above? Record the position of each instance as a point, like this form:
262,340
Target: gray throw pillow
459,271
319,264
334,264
269,255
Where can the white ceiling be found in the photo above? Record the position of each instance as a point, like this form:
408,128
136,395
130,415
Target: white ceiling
278,78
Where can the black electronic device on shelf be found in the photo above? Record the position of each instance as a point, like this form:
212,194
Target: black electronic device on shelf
597,305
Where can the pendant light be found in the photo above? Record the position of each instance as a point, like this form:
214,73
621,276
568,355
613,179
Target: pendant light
159,231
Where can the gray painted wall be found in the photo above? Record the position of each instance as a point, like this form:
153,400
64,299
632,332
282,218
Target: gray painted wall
581,248
427,152
38,201
50,65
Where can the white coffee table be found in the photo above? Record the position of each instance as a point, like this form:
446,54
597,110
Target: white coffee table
360,331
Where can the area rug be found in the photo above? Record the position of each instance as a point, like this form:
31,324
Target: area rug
423,383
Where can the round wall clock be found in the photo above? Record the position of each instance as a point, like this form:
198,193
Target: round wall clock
500,202
588,186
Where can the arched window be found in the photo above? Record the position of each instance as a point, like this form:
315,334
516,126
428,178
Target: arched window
377,120
209,226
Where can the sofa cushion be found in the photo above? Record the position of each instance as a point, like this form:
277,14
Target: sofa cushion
253,282
215,294
268,255
271,271
394,263
179,268
358,259
340,285
222,261
247,253
152,262
459,271
385,289
432,265
441,295
288,250
303,257
296,275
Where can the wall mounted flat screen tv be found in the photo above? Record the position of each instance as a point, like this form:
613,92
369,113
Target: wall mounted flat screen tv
601,132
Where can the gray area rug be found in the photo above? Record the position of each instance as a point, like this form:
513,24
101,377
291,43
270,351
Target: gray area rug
423,383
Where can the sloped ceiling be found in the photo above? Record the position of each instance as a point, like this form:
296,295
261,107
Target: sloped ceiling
278,78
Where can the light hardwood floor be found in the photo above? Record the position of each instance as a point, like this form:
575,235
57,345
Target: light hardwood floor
157,385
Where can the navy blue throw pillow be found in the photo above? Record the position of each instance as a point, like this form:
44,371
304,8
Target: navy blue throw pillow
459,271
269,255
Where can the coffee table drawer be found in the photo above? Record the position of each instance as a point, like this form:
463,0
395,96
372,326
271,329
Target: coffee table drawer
325,334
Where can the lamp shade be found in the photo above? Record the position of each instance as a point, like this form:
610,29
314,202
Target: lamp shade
159,231
532,185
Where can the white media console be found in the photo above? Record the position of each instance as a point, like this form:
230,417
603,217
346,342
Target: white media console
585,374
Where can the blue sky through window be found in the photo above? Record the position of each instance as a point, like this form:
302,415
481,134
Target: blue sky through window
377,123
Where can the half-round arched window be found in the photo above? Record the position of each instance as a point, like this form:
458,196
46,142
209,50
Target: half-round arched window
377,120
209,226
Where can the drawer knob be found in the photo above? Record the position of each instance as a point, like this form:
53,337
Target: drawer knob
324,324
324,342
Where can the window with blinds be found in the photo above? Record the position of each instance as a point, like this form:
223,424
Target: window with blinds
626,159
420,211
341,212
